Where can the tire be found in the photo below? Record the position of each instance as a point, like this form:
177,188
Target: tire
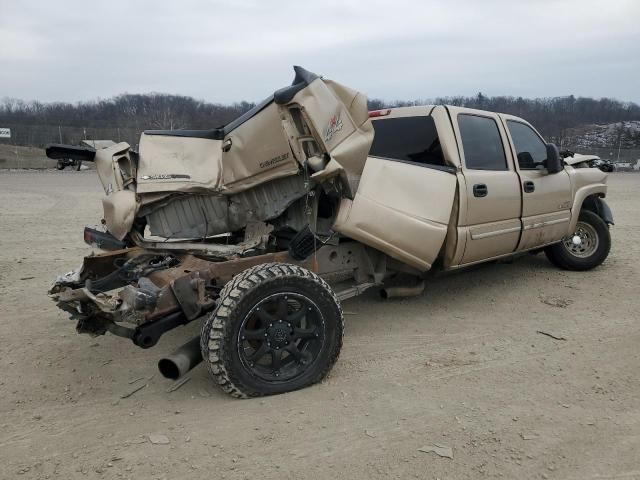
78,165
60,165
594,249
268,312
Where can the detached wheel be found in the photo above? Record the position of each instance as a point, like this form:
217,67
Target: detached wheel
587,248
277,328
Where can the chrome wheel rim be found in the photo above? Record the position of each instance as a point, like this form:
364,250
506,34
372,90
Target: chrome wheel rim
587,242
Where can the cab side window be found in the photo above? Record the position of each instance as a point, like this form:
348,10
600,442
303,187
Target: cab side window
530,149
481,143
408,139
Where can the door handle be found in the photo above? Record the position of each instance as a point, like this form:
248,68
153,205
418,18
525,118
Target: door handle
480,190
528,186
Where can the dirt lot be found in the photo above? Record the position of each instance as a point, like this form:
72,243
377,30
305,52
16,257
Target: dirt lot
461,366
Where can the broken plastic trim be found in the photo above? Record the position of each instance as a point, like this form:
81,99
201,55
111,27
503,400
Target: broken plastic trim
305,243
302,79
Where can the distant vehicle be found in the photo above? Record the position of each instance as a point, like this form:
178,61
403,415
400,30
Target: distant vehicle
77,163
68,162
624,166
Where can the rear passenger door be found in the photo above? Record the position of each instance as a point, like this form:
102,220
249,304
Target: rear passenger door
405,196
490,200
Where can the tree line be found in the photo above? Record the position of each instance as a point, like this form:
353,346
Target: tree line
556,118
124,117
121,118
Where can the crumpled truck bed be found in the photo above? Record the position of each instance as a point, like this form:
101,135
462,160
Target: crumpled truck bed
314,122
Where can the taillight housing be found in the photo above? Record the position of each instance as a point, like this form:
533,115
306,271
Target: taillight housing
379,113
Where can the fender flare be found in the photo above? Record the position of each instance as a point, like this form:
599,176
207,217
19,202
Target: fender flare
590,198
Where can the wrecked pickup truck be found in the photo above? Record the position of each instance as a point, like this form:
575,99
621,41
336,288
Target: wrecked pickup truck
260,228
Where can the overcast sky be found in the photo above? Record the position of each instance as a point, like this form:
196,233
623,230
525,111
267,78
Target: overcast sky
234,50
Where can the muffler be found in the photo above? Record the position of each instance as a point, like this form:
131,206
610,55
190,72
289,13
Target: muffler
182,360
403,291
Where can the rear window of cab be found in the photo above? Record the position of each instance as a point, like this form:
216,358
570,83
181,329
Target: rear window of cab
407,139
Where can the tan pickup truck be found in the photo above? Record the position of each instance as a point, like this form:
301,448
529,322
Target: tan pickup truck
259,229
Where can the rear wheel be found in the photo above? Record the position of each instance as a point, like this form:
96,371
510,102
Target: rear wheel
585,249
278,327
60,165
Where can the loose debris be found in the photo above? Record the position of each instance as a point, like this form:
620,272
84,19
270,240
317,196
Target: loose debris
550,335
369,434
27,278
528,436
159,439
440,450
177,384
131,392
556,301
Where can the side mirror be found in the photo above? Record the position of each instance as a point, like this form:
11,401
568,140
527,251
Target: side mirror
525,160
554,162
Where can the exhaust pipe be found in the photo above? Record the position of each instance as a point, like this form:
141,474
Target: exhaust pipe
403,291
182,360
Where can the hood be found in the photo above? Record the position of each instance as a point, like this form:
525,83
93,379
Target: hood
579,158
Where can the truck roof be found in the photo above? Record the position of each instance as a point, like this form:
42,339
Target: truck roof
423,110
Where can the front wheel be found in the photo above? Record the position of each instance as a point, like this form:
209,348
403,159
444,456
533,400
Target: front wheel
587,248
277,327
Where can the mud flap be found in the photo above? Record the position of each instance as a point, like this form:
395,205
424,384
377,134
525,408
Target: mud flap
603,211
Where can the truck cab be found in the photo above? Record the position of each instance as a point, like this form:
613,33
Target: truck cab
461,186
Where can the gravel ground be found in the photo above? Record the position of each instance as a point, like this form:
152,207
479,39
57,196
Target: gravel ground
460,367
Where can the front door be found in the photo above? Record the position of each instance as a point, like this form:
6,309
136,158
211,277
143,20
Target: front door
490,195
546,198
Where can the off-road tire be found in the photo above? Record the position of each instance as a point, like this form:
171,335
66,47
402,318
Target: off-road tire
219,337
561,257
